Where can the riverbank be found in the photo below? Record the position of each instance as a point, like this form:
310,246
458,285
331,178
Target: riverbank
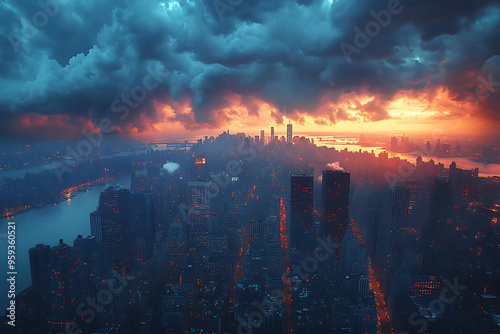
63,220
65,195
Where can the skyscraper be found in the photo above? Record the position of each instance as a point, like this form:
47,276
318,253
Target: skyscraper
199,216
40,275
262,138
258,232
394,143
116,224
143,220
62,271
397,232
272,133
436,232
289,136
335,196
85,254
301,213
373,232
353,259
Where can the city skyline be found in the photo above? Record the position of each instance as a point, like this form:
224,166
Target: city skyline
250,167
347,240
409,71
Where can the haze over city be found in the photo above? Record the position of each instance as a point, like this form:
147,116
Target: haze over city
267,166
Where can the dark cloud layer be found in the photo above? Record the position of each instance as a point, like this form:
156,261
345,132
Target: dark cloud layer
285,53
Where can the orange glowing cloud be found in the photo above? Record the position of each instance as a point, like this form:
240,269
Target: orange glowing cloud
50,126
340,112
407,112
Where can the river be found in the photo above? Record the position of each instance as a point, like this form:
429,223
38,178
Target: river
64,220
485,170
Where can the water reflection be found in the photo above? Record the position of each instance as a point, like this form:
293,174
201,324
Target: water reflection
64,220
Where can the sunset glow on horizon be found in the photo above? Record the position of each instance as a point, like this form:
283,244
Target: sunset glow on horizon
158,69
410,115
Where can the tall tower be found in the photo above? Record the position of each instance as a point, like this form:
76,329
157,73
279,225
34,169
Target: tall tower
62,271
272,134
353,259
394,143
335,196
84,254
143,221
301,213
116,224
40,275
199,216
373,233
436,232
289,134
397,232
262,138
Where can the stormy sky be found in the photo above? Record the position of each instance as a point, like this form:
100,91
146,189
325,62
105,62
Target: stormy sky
149,66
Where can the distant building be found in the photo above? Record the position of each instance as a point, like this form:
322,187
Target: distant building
199,215
289,133
116,224
335,198
240,138
88,260
40,276
201,168
373,232
359,318
425,286
62,275
142,212
436,232
139,181
272,133
394,143
398,226
258,233
353,259
301,213
383,156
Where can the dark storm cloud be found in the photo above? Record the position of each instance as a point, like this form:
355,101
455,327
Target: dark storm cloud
285,53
